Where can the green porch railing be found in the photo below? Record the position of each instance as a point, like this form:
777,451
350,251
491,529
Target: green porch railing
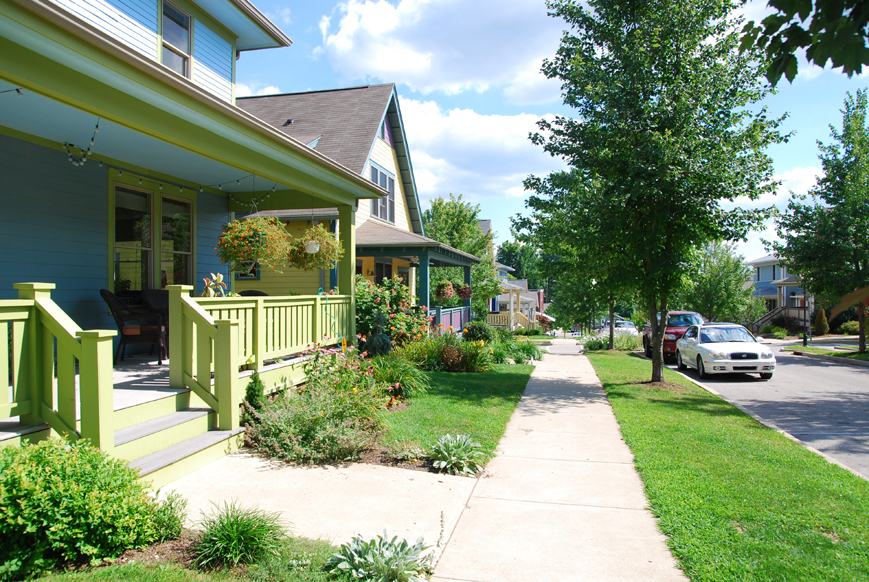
212,338
43,347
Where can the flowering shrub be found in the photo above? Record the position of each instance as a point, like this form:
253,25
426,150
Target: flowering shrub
334,417
448,353
330,250
392,297
254,240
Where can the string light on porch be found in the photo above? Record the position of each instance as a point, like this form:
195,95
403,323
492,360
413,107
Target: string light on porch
82,157
18,90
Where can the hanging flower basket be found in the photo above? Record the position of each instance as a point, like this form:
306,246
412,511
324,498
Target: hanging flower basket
444,290
463,291
254,240
314,249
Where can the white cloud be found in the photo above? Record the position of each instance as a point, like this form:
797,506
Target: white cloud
242,90
446,45
282,15
484,157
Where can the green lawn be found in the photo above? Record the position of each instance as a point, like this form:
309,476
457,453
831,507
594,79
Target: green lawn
476,404
737,500
851,354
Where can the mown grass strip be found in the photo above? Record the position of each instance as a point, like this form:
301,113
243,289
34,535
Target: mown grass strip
851,354
737,500
479,405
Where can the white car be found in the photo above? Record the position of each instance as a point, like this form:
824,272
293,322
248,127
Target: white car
723,348
626,327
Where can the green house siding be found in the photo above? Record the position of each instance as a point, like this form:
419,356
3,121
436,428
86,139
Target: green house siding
53,228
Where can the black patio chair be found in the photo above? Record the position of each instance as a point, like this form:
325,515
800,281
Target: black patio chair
252,293
136,327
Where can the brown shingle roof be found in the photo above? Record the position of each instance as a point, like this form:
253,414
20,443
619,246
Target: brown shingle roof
345,120
376,234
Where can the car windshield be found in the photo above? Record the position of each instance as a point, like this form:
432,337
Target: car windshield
715,335
625,324
683,320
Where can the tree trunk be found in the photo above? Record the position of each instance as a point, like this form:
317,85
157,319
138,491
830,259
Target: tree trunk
612,323
658,328
861,329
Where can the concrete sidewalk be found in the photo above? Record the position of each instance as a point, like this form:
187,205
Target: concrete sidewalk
561,500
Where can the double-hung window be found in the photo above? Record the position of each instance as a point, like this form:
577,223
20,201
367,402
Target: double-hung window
176,40
153,247
384,208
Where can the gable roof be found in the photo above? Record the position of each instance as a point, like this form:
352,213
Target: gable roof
342,124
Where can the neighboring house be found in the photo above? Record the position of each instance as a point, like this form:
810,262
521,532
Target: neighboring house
360,128
123,153
779,289
518,306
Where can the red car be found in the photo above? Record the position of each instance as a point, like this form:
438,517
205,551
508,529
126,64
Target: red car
677,323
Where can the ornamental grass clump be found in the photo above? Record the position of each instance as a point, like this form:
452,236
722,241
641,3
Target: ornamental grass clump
383,560
63,501
457,454
334,417
402,378
233,535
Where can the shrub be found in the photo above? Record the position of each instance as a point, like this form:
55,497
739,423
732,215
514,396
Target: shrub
424,353
401,376
627,343
525,351
456,454
254,398
169,516
501,351
333,417
821,325
791,324
404,321
766,329
449,353
383,560
68,501
524,331
478,331
596,343
850,328
779,333
233,535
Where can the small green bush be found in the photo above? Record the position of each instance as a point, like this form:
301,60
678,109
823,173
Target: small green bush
383,560
170,513
402,378
254,397
68,501
524,351
527,331
766,329
478,331
850,328
447,352
234,535
456,454
821,325
596,343
500,352
779,333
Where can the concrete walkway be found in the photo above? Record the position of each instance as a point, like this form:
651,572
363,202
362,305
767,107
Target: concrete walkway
561,500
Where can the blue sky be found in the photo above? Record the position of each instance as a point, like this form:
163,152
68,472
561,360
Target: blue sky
470,90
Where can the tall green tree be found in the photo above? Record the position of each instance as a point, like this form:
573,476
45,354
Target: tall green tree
664,132
455,222
715,285
825,234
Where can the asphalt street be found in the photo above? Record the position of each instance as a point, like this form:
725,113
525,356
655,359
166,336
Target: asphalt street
823,404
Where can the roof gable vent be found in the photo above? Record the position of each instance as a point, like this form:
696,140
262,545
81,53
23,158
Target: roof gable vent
288,122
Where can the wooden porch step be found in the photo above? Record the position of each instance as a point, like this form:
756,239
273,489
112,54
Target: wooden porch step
141,439
174,462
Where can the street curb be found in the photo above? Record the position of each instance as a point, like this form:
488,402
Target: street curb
768,424
835,359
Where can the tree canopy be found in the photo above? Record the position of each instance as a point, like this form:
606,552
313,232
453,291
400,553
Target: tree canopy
829,31
525,261
824,233
664,132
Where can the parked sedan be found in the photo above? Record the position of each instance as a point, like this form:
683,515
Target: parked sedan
723,348
626,327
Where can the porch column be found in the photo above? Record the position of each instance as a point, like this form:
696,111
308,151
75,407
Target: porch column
424,291
333,272
467,269
347,265
511,310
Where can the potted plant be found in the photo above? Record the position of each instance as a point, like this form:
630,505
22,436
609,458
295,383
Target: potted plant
463,291
254,240
316,248
444,289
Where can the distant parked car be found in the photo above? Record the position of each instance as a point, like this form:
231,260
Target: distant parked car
626,327
722,348
677,323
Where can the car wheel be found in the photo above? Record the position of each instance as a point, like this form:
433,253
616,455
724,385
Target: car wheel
766,375
701,371
679,361
647,347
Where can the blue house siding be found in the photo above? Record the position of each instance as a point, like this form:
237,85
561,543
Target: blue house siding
212,62
212,212
54,228
133,22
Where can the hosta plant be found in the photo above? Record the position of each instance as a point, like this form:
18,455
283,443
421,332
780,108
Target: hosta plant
457,454
383,560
